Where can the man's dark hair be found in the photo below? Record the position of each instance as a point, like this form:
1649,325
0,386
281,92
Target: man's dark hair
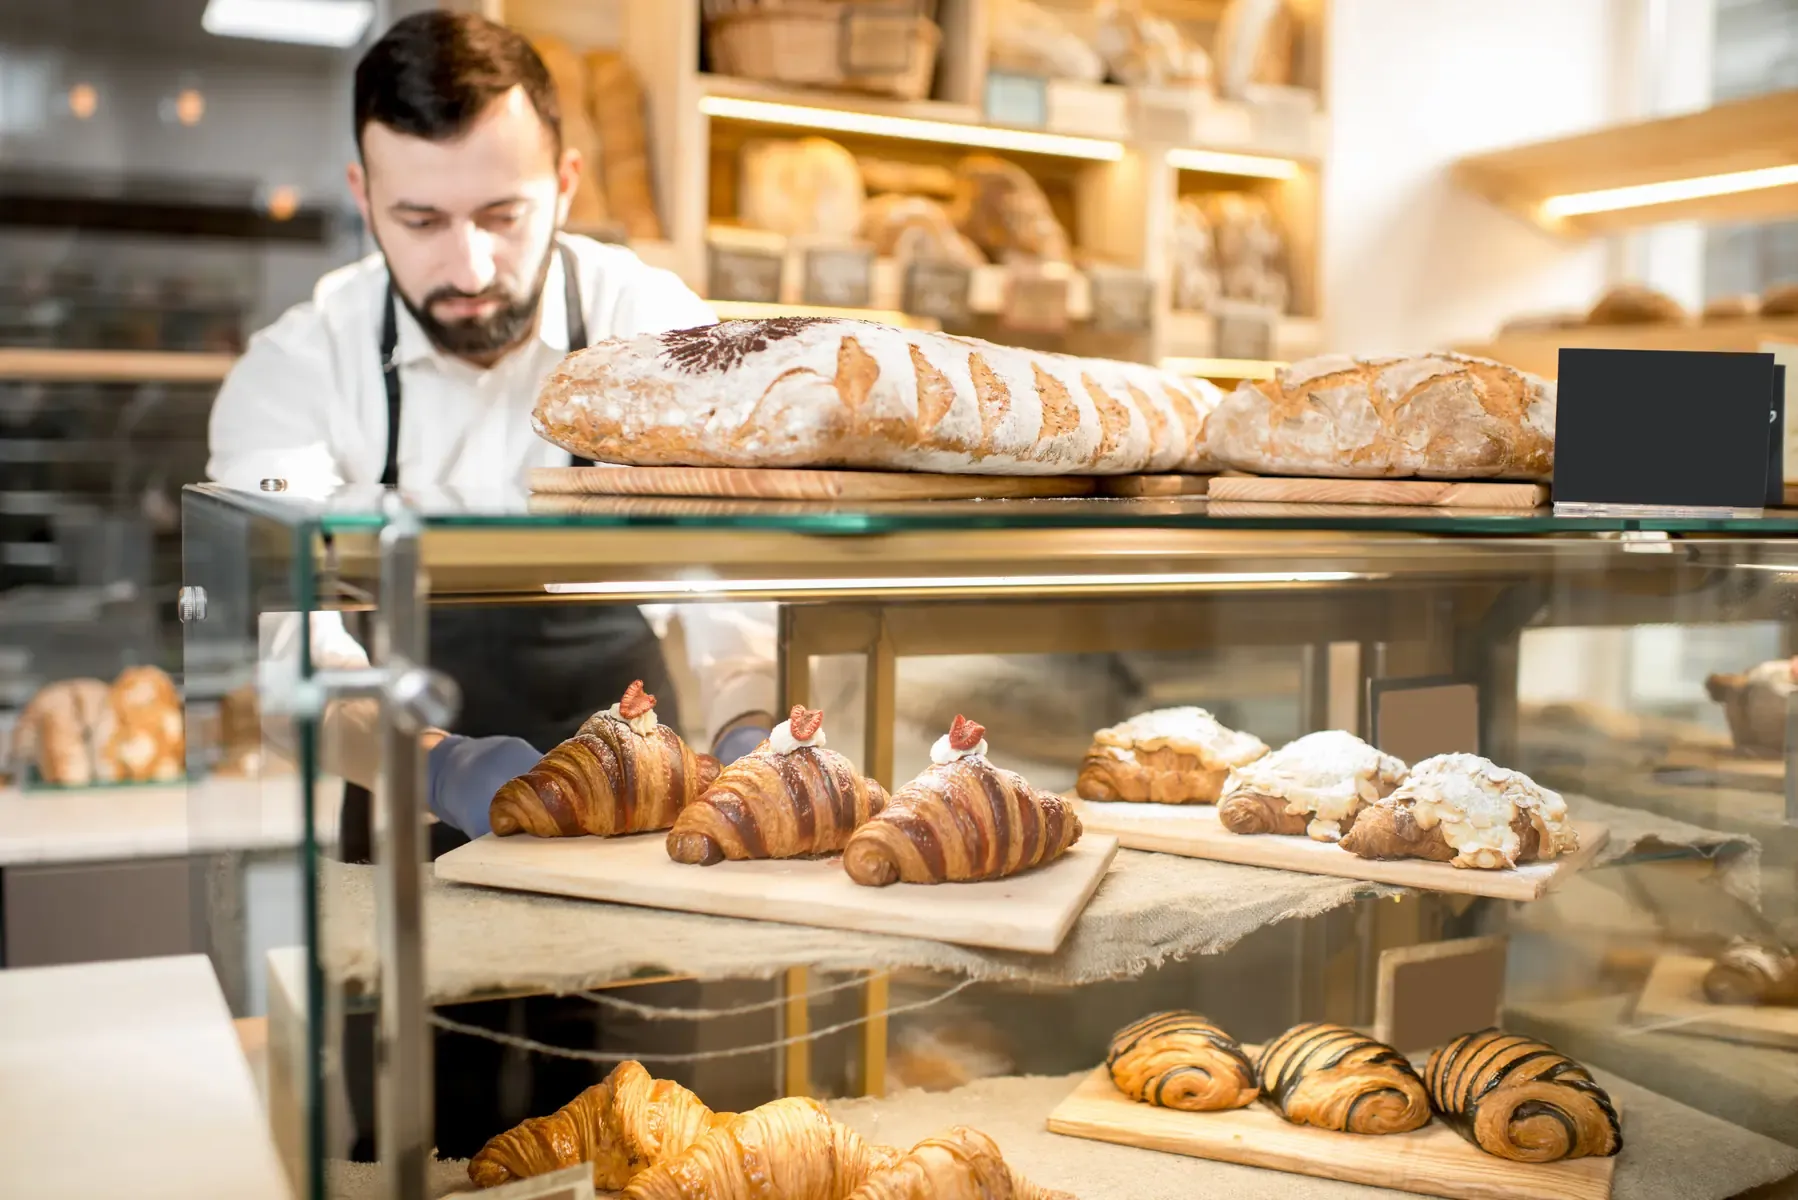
434,72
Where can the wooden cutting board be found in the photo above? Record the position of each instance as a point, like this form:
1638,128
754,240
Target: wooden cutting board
1427,493
1673,1000
782,484
1194,831
1030,912
1434,1160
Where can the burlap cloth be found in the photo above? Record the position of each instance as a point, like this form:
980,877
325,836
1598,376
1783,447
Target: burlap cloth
1150,909
1672,1152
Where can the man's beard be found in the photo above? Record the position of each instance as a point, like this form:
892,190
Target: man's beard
477,337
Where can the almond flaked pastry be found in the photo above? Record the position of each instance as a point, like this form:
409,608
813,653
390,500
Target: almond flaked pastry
1314,785
1465,810
1167,756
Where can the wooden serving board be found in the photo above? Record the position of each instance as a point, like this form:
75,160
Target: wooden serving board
1154,485
782,484
1030,912
1428,493
1673,1000
1194,831
1434,1160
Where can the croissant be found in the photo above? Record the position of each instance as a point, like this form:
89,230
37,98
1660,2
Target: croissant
962,1164
1334,1078
1461,809
788,1148
963,819
1517,1098
1315,785
60,731
788,798
623,1124
1168,756
1751,972
1181,1060
623,772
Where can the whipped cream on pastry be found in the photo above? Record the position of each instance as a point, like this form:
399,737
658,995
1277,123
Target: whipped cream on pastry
644,724
784,739
1476,803
965,739
1329,774
1188,730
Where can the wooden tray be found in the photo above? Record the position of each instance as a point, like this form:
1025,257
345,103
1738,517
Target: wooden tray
1426,493
1031,912
1673,1001
1194,831
780,484
1434,1160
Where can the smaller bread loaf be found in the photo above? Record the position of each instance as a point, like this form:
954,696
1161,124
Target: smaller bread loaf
1181,1060
1526,324
1462,809
1754,703
1194,253
1731,308
1251,249
1003,210
1518,1098
1751,971
615,104
1334,1078
916,229
1780,300
1315,785
146,736
1024,38
1636,304
60,731
805,186
1168,756
1143,50
1429,416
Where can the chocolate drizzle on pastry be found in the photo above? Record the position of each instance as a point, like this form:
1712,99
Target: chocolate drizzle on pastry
1181,1060
716,348
1520,1099
1332,1077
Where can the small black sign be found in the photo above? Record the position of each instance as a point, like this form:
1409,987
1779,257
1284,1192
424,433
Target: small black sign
742,274
839,276
1666,428
938,290
1123,302
1246,333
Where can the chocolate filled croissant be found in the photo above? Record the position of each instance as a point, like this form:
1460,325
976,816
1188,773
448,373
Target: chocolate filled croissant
1519,1099
790,797
623,772
963,819
624,1124
1463,809
1752,972
1181,1060
961,1164
789,1148
1334,1078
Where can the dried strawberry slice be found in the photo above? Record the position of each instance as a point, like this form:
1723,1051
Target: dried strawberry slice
636,701
805,722
965,734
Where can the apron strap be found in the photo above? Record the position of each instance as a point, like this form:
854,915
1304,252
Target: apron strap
390,370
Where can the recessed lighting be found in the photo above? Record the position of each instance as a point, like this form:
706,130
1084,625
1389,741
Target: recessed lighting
283,201
1218,162
336,23
1672,191
84,101
841,120
190,106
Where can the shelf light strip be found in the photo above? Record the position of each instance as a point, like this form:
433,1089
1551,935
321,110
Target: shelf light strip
712,587
1672,191
915,129
1218,162
1223,368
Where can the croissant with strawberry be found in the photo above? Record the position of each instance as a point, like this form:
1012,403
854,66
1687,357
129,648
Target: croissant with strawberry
623,772
963,819
788,798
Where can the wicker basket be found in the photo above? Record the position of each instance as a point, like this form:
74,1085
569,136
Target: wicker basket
815,43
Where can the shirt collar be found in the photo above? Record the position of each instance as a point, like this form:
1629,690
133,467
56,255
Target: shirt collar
413,346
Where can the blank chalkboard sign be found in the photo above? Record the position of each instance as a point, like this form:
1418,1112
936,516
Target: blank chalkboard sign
1664,429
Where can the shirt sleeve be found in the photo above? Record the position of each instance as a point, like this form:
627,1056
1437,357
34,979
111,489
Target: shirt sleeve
268,420
659,301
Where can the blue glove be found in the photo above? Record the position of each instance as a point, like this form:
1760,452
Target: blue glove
462,773
738,742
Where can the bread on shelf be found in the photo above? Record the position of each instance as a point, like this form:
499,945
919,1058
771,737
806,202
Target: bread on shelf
1731,308
790,1148
1256,45
1314,785
1024,38
615,106
1518,1098
1465,810
1637,304
1751,971
59,732
1197,284
1167,756
1003,210
1181,1060
1334,1078
1251,249
144,736
1141,49
958,1164
800,186
916,229
1754,703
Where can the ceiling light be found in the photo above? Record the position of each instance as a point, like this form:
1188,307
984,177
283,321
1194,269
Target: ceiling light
1025,141
1217,162
337,23
713,588
282,203
1671,192
84,101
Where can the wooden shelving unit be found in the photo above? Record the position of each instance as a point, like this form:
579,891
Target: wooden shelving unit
113,366
1754,135
1540,353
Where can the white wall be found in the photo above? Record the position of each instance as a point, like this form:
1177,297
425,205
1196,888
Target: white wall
1410,260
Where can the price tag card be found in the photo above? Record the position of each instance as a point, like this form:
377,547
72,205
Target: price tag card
570,1183
1246,332
839,276
876,39
1671,431
736,273
938,290
1021,101
1123,302
1425,995
1035,301
1164,114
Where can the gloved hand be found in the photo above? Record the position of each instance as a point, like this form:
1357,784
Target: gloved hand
462,773
737,742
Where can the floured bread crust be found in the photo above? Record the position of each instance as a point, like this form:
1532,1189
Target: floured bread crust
1167,756
814,392
1429,416
1462,809
1314,785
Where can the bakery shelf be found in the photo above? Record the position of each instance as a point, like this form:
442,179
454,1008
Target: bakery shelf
1223,368
113,366
1540,352
749,310
1691,167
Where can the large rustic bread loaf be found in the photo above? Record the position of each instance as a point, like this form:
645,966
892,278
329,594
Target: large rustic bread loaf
1432,416
811,392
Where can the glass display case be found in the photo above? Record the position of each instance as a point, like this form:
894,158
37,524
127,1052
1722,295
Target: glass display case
445,994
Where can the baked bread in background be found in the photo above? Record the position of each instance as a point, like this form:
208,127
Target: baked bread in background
1251,249
1780,300
916,229
146,740
615,107
1731,308
1257,43
569,74
1755,703
1636,304
1196,281
797,186
1144,50
1004,211
1027,39
60,731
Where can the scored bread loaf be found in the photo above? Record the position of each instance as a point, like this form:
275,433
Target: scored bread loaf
821,392
1432,416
